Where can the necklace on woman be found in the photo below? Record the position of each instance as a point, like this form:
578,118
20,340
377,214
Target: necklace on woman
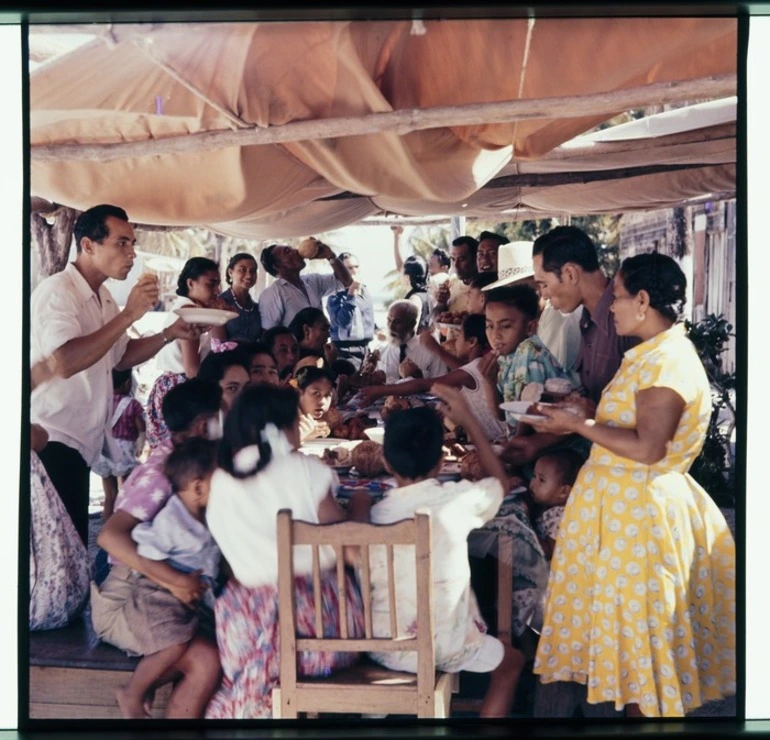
245,310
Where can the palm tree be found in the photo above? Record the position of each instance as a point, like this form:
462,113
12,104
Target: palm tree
422,241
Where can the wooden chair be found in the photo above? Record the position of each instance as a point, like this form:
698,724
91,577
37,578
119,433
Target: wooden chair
365,688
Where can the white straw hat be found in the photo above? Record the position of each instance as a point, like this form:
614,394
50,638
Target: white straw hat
514,263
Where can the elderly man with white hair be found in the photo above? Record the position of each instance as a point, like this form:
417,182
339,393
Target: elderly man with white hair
403,344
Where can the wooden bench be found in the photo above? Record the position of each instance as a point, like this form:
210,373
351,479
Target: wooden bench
73,675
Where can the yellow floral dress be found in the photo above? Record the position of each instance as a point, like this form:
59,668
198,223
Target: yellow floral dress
641,594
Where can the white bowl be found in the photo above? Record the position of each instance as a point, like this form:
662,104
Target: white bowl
376,434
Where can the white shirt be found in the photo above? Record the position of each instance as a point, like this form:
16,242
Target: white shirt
458,295
478,402
430,364
280,302
241,514
175,534
456,509
74,411
560,333
169,359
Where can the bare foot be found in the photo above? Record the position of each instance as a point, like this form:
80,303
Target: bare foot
147,702
131,706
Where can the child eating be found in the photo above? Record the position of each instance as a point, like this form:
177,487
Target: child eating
554,474
315,386
471,345
158,625
412,449
521,358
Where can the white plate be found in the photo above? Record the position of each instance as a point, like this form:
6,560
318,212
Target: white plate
376,434
516,407
205,316
529,418
317,446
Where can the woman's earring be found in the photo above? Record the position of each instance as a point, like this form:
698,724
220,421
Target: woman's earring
640,317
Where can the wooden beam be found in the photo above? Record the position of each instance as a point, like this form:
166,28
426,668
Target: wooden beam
623,146
549,179
401,121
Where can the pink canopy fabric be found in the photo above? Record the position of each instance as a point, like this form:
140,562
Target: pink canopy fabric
177,80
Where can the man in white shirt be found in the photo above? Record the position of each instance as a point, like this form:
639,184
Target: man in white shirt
453,294
280,302
79,332
403,344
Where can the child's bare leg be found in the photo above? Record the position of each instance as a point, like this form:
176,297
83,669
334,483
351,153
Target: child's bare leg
201,674
131,697
110,486
502,686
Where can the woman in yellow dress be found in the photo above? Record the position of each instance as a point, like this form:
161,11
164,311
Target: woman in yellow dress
641,595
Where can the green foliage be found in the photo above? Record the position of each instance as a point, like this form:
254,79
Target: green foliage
422,241
714,468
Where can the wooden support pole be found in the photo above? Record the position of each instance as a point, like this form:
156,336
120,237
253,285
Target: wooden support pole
401,121
53,241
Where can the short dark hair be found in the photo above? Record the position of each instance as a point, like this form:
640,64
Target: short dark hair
120,378
483,279
190,460
305,317
522,297
416,269
475,327
343,367
442,256
184,403
467,241
413,441
251,349
661,277
499,238
255,407
342,256
234,260
307,375
270,335
216,364
93,223
563,245
268,261
193,269
567,463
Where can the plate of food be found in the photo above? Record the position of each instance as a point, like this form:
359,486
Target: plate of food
205,316
525,411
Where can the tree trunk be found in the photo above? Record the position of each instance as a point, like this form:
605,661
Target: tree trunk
53,241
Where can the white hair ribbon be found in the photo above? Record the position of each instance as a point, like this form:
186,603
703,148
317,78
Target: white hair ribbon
247,459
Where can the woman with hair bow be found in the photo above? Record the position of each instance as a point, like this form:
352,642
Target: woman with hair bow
261,472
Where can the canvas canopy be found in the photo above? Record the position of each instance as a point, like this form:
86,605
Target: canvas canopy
179,83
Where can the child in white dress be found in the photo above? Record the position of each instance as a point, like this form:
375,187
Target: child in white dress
413,441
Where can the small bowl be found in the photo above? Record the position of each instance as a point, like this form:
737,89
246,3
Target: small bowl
376,434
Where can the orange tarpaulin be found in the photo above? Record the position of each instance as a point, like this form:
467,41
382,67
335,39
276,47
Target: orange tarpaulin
179,80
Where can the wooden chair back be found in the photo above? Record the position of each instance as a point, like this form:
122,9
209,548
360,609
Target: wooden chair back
416,532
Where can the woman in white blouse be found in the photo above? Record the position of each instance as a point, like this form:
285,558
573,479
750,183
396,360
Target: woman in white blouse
261,472
180,359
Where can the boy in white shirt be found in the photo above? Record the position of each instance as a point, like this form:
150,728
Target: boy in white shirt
413,441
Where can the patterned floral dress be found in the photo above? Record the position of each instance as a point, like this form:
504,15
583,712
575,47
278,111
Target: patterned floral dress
641,595
248,639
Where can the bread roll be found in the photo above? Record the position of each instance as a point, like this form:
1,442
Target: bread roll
532,392
470,467
408,369
368,459
393,403
333,418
